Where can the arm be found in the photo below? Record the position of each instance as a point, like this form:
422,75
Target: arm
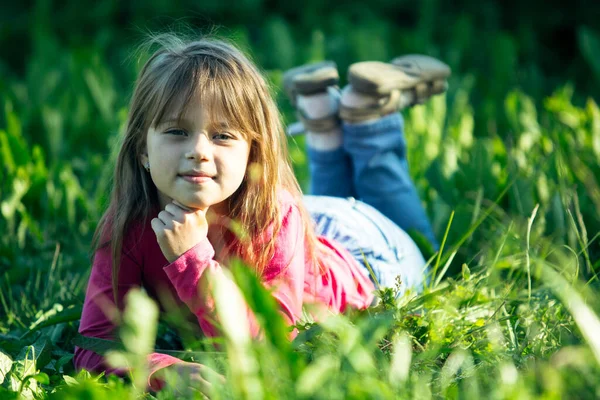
100,315
284,275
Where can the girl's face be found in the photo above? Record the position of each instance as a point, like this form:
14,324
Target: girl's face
197,161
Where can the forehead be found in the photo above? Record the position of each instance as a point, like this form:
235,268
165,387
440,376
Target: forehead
195,109
208,91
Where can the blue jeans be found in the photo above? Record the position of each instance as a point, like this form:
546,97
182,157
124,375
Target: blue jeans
371,166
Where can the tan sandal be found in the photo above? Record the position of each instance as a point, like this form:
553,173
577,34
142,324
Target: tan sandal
311,79
378,108
434,74
405,72
406,81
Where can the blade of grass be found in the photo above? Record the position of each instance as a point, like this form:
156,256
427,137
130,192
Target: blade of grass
441,250
50,278
445,269
103,346
499,252
486,214
527,257
584,316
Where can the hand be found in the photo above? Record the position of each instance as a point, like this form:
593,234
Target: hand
179,228
188,377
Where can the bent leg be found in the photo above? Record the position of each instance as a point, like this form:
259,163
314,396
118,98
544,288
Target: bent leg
330,172
312,90
381,177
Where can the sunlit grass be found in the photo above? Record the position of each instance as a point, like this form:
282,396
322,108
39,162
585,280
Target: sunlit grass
510,311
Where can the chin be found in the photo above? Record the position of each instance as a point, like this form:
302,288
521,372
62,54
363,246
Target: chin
196,204
220,206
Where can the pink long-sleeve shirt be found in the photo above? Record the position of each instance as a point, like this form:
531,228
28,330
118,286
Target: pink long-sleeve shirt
292,277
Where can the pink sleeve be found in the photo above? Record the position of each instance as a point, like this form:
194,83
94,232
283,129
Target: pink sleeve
100,313
284,275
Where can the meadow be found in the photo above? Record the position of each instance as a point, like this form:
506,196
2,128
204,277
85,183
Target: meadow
507,164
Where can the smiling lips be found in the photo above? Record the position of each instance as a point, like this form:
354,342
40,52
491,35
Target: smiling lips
196,177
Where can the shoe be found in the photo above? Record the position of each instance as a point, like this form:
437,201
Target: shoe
430,70
311,79
404,82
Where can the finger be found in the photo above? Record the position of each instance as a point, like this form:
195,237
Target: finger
165,210
165,217
201,384
176,211
211,373
157,225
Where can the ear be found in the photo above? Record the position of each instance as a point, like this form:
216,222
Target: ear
144,159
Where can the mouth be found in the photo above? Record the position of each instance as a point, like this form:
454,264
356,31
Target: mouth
196,178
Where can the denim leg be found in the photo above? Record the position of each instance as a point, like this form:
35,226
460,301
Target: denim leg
375,242
381,177
331,173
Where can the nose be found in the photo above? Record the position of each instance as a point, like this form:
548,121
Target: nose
200,148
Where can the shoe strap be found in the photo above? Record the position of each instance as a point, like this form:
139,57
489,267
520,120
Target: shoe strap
389,105
323,124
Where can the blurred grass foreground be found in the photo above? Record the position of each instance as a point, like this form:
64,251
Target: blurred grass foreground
507,164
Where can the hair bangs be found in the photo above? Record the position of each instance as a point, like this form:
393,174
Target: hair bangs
175,94
222,91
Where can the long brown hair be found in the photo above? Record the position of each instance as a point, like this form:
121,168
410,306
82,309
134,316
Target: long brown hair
218,71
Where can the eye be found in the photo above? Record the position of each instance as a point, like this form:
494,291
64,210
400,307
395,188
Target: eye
176,132
222,136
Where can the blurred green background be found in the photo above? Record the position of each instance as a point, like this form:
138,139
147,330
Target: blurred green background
507,164
519,113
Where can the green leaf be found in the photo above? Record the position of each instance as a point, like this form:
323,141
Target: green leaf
42,378
315,376
54,123
20,185
466,272
400,362
374,328
101,92
43,352
64,360
5,365
6,394
103,346
140,321
34,357
70,381
263,304
97,345
56,316
8,161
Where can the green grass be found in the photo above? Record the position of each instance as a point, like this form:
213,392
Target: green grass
511,183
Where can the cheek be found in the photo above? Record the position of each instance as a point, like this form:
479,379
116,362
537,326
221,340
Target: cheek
245,160
163,156
236,167
241,164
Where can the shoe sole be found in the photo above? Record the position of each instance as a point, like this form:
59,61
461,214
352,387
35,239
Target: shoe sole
429,68
425,74
310,79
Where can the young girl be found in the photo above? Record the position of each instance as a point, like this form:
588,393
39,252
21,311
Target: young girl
204,158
